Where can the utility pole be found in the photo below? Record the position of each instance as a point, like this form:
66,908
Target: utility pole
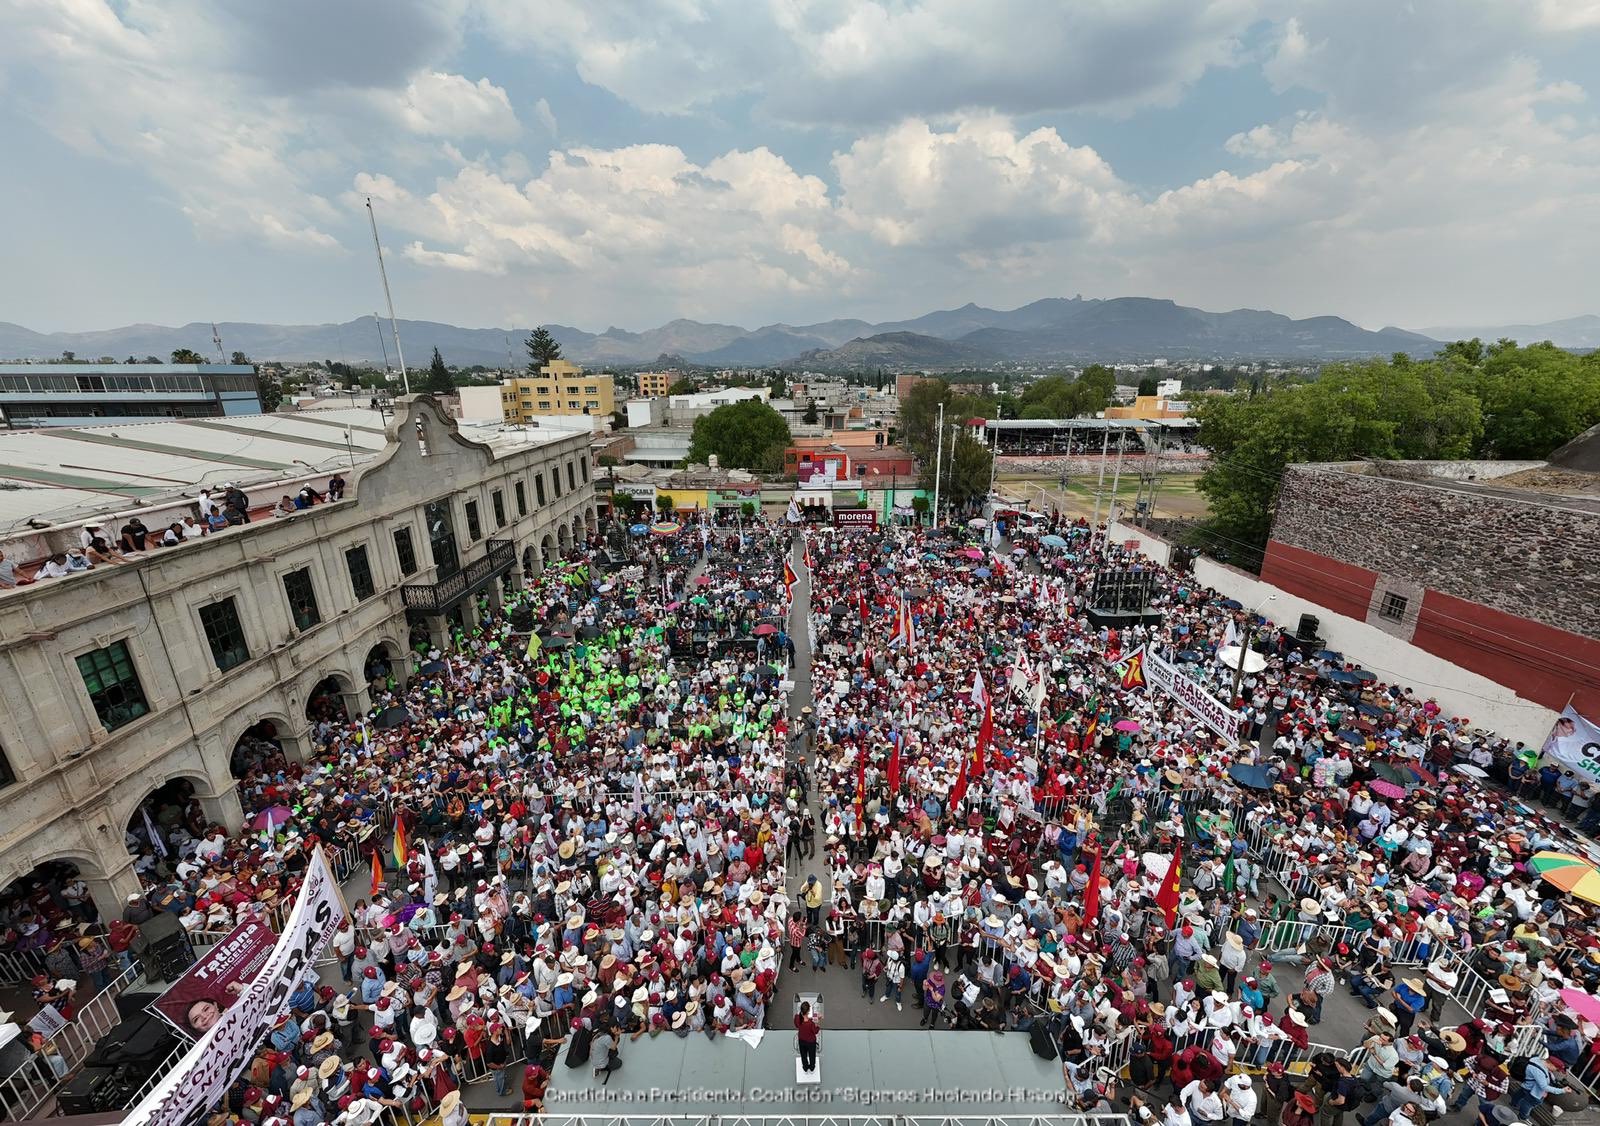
1116,479
938,464
1244,647
1100,486
394,325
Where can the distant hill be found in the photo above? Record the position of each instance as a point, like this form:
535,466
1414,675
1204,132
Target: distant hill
1056,328
1573,332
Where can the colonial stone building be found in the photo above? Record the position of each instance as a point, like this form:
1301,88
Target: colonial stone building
125,677
1489,565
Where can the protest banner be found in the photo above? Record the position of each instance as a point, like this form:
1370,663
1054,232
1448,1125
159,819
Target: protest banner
197,1000
1187,691
202,1078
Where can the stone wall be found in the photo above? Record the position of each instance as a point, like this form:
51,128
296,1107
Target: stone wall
1530,558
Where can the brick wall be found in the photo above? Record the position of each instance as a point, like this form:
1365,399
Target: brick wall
1534,561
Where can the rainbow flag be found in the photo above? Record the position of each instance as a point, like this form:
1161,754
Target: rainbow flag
377,870
401,852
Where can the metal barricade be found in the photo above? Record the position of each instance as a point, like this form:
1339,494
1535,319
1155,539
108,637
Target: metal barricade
18,966
25,1091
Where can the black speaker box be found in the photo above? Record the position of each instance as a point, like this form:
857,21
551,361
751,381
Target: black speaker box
134,1004
87,1092
140,1041
1309,624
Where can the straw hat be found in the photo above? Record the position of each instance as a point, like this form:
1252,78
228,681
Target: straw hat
323,1041
1453,1040
566,848
301,1099
448,1104
1414,983
327,1067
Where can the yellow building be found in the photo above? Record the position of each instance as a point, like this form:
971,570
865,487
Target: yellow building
654,384
1150,409
561,387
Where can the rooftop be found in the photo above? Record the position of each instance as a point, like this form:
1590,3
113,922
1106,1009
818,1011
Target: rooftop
60,475
1521,482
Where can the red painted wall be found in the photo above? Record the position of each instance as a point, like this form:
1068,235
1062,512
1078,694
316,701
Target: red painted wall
1534,660
1340,587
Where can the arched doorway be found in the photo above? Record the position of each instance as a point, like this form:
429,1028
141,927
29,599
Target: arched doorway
384,669
547,550
592,520
577,528
260,748
47,903
165,826
326,701
563,539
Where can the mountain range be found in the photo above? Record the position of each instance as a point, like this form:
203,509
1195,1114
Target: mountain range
1050,330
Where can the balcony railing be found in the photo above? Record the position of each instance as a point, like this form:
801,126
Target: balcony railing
500,557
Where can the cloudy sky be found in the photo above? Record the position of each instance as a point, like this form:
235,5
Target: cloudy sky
596,162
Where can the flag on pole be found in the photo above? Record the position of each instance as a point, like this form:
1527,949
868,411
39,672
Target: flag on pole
901,635
793,515
400,850
789,579
980,691
534,645
1091,895
1227,875
894,768
1040,688
959,790
985,737
377,870
1132,669
861,605
157,841
911,623
861,781
1021,672
805,552
1230,636
1167,897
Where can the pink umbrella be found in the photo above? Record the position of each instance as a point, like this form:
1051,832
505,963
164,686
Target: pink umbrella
973,553
764,630
703,580
1126,725
1386,789
1583,1004
277,816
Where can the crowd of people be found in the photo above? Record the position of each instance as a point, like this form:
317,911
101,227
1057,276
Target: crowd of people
599,834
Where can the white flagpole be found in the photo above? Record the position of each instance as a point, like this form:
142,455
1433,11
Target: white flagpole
394,325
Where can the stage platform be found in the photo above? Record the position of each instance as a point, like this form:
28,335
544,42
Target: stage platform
891,1072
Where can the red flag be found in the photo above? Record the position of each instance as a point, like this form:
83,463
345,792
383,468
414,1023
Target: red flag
894,769
866,611
861,780
1091,895
985,736
959,790
377,871
789,579
1167,897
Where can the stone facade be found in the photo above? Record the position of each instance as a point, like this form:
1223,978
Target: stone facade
1527,555
78,782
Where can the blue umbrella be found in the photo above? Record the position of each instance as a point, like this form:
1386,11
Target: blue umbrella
1369,710
1328,655
1340,676
1053,541
1363,676
1190,655
1350,735
884,571
1253,777
640,530
753,595
983,572
1231,604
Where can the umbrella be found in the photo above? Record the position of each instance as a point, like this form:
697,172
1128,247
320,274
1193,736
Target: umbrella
1391,773
640,529
1231,655
703,580
1583,1004
1369,709
1340,676
1053,541
432,668
1572,874
753,595
1156,864
1470,770
391,717
1253,777
1350,735
556,641
665,528
884,571
1386,789
977,522
972,553
983,572
1231,604
589,633
916,592
1328,655
278,815
765,630
839,610
1190,655
1126,725
1363,676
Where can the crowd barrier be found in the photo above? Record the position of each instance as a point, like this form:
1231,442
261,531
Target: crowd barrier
26,1091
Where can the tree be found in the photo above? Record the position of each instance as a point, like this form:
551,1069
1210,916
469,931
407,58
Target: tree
681,387
130,360
239,358
1147,386
187,356
69,357
744,435
664,504
271,392
542,349
438,381
965,472
775,384
811,416
919,416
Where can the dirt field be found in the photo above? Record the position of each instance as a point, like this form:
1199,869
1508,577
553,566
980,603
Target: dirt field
1176,498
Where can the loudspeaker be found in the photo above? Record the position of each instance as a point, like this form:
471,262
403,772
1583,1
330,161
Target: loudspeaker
522,619
168,952
1309,624
87,1092
134,1004
141,1041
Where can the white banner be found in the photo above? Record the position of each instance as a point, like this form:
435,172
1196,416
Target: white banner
1187,691
1574,743
201,1080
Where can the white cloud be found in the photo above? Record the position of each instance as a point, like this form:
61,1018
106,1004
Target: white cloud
873,61
450,105
545,116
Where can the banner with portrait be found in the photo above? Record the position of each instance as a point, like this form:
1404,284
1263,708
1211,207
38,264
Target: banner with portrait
197,1000
1574,744
202,1078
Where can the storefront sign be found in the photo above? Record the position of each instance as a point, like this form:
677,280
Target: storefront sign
855,518
646,493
